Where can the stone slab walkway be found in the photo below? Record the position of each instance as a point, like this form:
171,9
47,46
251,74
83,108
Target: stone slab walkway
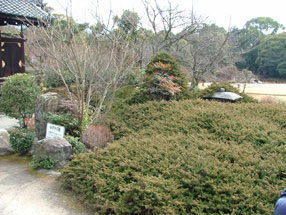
25,192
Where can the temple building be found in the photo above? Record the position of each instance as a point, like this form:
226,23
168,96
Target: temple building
21,14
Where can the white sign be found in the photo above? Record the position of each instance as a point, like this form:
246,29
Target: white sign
55,131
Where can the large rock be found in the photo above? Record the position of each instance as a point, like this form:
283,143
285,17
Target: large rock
96,136
5,148
58,149
48,102
67,106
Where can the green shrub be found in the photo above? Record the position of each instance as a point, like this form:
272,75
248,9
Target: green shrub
216,87
19,95
166,64
22,140
46,163
67,120
77,146
122,97
136,77
207,158
149,195
163,80
53,79
86,119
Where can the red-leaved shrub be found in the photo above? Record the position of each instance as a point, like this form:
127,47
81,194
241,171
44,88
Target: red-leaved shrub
96,136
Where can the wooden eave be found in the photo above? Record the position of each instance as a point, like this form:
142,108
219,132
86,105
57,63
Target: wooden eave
7,19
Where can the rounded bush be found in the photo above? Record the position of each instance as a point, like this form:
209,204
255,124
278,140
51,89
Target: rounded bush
163,80
22,140
19,96
165,63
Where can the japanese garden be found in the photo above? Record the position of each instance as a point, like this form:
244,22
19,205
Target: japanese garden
146,119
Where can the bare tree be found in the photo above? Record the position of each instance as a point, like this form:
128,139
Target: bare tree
202,51
247,76
166,22
97,63
186,36
233,75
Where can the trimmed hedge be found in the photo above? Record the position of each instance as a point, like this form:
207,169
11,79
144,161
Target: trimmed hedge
187,157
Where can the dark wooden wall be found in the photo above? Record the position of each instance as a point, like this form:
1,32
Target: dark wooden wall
12,57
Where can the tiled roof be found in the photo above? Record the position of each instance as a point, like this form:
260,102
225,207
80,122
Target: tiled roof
22,8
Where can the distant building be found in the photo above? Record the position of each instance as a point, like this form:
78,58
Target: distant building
17,13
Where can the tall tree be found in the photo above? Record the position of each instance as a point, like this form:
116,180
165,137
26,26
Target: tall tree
246,40
129,21
271,55
265,25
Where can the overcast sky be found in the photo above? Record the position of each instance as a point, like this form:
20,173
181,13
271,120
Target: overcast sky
221,12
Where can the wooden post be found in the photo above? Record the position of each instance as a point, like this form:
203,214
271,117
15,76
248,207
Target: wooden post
21,33
23,56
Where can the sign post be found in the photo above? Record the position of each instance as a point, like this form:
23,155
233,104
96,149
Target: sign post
55,131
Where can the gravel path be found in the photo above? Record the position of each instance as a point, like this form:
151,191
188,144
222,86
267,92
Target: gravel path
25,192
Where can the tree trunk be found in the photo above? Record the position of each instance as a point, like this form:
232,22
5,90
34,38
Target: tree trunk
194,82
